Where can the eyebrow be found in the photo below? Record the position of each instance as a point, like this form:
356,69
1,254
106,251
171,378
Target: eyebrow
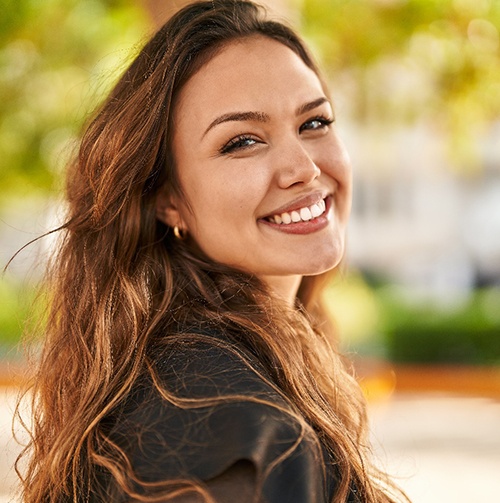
238,116
307,107
261,116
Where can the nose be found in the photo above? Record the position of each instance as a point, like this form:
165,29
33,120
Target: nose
294,165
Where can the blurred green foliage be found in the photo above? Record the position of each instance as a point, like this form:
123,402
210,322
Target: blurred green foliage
55,62
392,322
15,308
469,333
412,60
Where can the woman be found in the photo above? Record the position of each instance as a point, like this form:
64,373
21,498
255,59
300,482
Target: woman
185,357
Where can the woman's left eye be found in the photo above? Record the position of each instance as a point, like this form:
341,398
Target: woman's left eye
315,124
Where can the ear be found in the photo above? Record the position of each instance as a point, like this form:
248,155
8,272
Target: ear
167,210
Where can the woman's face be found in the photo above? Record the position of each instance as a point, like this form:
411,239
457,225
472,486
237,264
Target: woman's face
266,180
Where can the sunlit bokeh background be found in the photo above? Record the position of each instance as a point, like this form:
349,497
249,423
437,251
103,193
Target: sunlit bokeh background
416,85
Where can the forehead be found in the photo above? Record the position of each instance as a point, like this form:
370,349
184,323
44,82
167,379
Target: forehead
248,73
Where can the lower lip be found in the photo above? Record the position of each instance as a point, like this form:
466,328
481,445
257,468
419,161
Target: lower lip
313,225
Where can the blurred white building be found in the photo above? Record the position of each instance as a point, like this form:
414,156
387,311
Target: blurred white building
418,222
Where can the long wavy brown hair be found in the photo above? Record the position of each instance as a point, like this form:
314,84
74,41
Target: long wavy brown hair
121,283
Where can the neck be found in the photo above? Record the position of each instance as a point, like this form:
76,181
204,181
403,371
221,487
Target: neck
284,287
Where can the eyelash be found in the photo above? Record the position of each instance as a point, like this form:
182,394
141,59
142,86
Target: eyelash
324,122
238,143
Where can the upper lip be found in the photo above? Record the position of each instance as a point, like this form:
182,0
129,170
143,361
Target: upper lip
299,202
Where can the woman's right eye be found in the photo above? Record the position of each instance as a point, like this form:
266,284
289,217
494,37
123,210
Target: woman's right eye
238,143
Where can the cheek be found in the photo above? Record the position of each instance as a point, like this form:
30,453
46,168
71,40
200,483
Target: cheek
240,184
335,162
221,198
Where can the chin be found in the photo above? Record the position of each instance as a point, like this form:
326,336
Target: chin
323,262
321,267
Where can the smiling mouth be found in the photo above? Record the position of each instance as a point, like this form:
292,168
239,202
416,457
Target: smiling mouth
299,215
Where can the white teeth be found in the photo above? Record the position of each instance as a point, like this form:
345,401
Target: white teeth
316,211
301,215
305,214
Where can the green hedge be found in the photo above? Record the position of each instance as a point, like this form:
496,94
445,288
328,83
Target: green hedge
468,333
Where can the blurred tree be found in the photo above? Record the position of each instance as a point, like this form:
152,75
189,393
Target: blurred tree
410,60
55,56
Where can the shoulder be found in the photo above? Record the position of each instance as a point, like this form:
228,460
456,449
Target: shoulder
215,408
198,366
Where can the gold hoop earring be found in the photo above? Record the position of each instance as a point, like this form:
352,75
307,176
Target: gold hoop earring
180,234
